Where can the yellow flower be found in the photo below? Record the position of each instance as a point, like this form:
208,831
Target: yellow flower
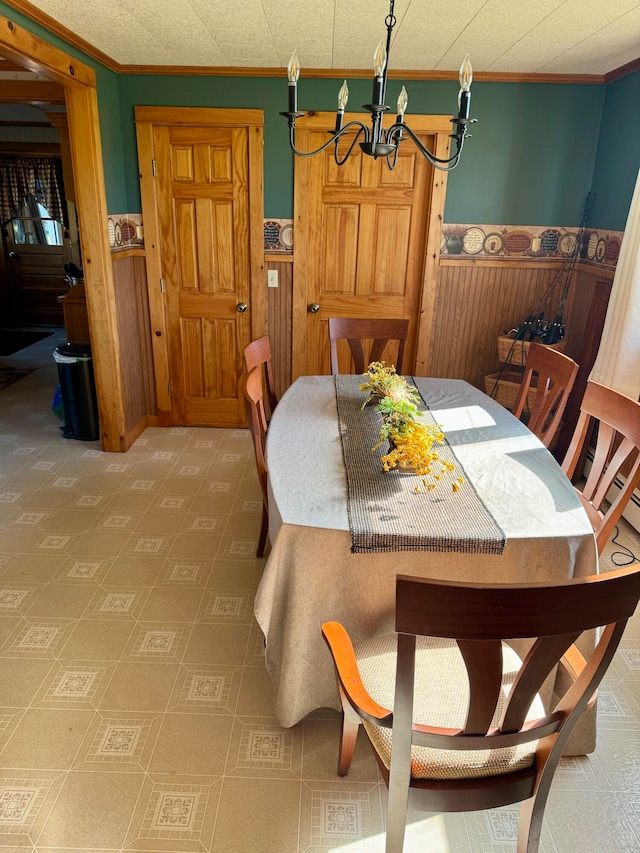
410,439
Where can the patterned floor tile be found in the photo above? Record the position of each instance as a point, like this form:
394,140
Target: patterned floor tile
38,638
24,801
74,684
174,816
206,690
126,608
118,743
260,747
339,815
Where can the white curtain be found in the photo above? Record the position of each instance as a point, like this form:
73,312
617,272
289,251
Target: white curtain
618,363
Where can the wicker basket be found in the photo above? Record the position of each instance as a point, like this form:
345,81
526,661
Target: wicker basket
507,390
515,352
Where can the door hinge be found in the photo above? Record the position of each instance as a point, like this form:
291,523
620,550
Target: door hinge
169,388
161,285
153,167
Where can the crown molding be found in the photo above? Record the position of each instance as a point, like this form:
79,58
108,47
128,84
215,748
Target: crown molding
622,71
357,73
58,29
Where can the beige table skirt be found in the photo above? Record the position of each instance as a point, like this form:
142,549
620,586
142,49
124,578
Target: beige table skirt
311,575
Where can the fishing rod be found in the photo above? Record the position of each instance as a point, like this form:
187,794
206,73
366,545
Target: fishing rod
534,326
556,332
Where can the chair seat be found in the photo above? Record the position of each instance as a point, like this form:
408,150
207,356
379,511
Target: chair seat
441,699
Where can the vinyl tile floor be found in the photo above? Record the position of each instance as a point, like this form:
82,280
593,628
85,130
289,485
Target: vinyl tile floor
135,710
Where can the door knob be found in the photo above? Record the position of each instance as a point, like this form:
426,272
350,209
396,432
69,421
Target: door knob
242,307
314,308
12,254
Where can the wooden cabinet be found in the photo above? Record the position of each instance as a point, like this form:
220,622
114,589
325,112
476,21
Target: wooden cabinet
76,318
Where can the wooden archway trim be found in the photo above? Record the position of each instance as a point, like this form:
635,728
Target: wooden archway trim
79,82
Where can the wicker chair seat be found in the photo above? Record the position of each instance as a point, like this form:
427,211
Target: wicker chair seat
441,699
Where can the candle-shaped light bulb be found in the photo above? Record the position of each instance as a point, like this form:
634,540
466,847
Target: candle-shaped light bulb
403,100
293,69
380,58
343,96
464,95
466,74
293,72
465,77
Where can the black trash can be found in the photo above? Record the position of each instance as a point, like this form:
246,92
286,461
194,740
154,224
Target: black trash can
78,388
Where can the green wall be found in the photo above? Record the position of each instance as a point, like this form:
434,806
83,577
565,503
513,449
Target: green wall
108,107
535,153
530,160
618,156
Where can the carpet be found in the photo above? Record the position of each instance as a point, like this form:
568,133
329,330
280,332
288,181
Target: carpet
12,340
9,375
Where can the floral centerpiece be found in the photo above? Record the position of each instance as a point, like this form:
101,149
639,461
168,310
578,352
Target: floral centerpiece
410,441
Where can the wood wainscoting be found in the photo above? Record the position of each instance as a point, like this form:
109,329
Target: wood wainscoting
134,331
476,301
280,319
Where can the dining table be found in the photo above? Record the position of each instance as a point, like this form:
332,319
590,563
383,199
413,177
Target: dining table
314,574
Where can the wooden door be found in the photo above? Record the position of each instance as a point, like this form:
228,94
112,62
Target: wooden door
206,224
361,235
36,256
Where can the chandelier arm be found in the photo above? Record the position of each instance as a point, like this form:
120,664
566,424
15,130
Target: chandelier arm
443,164
335,137
351,147
391,164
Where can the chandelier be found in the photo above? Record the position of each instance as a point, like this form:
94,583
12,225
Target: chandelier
374,140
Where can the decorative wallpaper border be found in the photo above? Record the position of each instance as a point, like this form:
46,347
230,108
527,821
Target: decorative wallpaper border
278,236
513,242
528,242
125,231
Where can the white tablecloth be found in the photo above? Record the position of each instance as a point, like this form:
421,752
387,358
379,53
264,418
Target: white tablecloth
312,577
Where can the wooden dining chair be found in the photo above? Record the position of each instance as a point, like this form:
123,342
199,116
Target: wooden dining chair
452,712
355,331
556,374
618,420
258,354
256,417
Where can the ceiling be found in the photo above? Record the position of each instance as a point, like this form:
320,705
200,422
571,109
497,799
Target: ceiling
509,36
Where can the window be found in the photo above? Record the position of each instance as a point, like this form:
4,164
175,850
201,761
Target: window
34,226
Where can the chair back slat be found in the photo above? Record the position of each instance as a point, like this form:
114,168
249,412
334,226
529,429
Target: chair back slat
356,331
538,664
483,661
357,354
572,456
612,470
604,445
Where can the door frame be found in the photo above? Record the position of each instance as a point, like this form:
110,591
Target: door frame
79,84
146,118
438,126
